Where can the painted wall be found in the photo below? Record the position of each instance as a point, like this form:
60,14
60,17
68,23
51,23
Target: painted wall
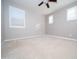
62,27
2,20
34,23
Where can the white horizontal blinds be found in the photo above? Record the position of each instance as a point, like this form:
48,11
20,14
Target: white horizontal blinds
16,17
51,19
72,13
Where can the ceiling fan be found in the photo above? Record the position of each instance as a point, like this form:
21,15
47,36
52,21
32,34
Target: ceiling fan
46,2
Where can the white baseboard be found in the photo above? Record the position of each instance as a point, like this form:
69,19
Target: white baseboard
28,37
37,36
60,37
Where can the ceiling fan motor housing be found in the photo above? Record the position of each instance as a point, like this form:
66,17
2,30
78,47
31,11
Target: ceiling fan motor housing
46,2
52,0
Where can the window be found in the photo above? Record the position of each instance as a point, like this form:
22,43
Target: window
16,17
72,13
51,19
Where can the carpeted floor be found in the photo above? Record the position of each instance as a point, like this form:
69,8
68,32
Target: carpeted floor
40,48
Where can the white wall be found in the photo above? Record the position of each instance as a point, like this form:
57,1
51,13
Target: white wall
2,20
62,27
32,19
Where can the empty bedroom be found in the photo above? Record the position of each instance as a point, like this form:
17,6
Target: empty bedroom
38,29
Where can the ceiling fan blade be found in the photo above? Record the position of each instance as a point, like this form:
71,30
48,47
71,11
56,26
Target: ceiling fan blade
52,0
47,5
40,3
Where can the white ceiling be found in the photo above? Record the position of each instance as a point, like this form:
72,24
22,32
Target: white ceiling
33,5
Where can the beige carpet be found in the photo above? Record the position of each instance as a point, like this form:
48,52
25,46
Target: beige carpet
40,48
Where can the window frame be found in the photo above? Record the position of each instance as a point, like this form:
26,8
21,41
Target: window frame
10,20
74,9
51,19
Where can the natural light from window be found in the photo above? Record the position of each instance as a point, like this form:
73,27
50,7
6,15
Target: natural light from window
51,19
72,13
16,17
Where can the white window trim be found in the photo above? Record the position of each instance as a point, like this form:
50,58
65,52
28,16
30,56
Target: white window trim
11,26
68,15
50,22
